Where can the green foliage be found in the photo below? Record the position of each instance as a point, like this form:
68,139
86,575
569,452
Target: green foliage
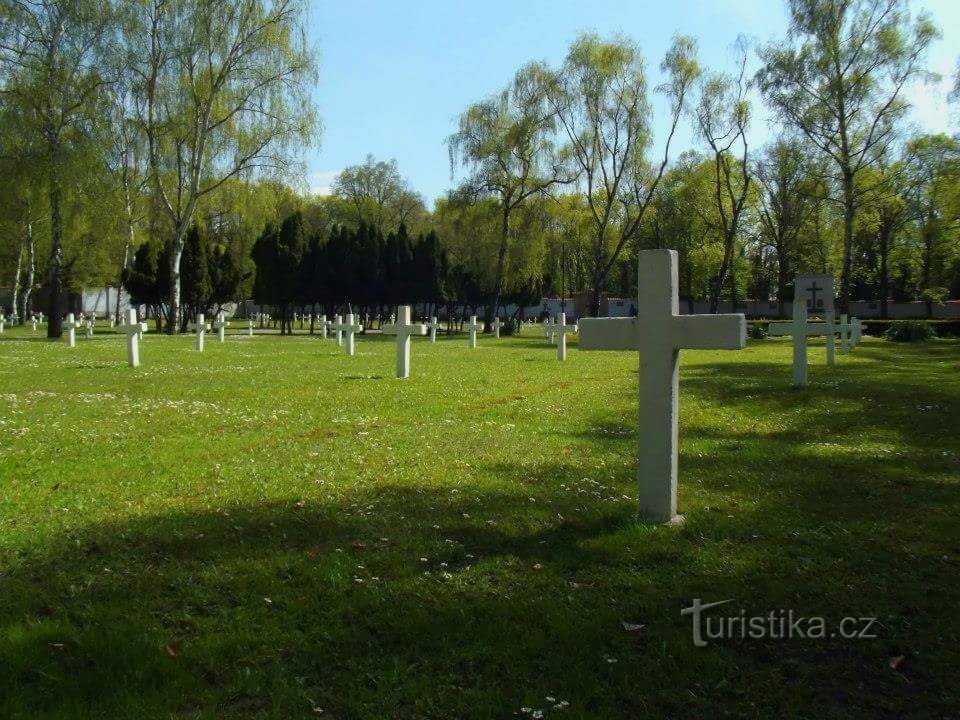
910,331
758,331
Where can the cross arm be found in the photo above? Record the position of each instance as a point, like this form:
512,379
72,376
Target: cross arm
609,334
710,332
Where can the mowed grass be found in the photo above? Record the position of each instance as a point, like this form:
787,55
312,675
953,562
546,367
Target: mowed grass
273,529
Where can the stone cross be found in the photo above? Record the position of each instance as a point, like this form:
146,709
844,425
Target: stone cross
817,291
857,331
350,329
323,324
800,329
659,332
548,329
3,321
560,331
133,329
220,325
71,330
496,325
403,329
846,333
89,327
249,327
434,326
202,327
338,328
472,327
33,323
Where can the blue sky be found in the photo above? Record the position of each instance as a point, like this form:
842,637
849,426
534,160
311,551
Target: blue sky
395,75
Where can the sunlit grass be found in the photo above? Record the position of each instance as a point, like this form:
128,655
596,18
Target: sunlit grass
273,529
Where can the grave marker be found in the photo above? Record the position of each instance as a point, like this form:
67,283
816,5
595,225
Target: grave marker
496,325
350,329
433,325
403,329
801,329
220,325
472,327
560,331
817,291
202,327
134,330
659,332
71,331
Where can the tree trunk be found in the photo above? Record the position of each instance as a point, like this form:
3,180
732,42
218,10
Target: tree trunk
849,209
15,295
174,318
883,237
55,271
27,301
501,263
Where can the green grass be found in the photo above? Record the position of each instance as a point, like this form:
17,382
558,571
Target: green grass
273,529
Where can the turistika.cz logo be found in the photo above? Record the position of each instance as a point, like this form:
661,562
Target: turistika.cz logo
775,625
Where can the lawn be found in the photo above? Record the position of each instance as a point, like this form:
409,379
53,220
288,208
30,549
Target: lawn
273,529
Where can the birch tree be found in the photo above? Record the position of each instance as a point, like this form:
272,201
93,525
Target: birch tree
223,88
839,78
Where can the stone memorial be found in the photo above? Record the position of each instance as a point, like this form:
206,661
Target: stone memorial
433,325
220,325
560,331
800,328
134,330
496,325
350,329
403,329
70,330
659,332
817,291
202,328
472,328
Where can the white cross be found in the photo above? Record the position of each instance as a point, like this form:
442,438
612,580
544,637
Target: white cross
560,330
33,323
40,315
3,321
496,325
350,329
801,329
133,329
338,328
659,332
403,329
89,327
202,327
845,329
433,325
548,330
472,327
249,327
323,324
857,331
220,325
71,327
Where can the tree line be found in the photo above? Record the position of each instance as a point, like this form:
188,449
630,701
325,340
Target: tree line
132,134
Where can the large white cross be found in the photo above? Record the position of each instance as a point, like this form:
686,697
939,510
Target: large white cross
403,329
71,327
472,327
350,329
659,332
560,330
801,329
433,325
496,325
133,329
202,327
220,325
338,328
